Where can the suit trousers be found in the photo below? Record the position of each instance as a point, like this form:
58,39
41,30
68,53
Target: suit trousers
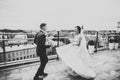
43,61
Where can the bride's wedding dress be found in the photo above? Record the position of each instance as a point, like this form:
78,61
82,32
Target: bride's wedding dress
103,65
77,57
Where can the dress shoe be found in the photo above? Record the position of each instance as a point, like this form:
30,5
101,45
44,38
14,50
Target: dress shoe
45,74
38,77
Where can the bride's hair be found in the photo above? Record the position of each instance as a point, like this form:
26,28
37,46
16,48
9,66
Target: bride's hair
79,29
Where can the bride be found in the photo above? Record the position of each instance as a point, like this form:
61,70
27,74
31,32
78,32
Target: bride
76,56
104,66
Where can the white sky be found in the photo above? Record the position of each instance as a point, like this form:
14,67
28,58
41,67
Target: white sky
59,14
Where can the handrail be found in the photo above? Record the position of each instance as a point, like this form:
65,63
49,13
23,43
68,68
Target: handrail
31,38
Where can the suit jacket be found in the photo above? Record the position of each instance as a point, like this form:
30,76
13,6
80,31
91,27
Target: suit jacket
40,40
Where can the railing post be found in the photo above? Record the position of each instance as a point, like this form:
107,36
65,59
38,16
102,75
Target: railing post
58,39
58,33
3,47
96,44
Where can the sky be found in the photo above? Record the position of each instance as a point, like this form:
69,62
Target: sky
59,14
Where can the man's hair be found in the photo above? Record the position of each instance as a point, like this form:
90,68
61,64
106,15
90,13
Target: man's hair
42,25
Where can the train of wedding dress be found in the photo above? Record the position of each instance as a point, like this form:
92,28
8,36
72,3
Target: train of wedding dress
77,58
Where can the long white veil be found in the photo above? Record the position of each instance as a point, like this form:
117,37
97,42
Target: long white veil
83,49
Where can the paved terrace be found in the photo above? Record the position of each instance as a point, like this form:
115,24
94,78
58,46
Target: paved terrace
57,70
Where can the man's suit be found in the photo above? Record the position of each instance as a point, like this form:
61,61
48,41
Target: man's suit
40,40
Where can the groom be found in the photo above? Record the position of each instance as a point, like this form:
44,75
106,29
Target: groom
40,40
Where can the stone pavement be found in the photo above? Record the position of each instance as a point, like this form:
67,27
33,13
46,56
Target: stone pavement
28,72
57,70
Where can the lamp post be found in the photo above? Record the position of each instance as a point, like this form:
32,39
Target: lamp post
58,38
